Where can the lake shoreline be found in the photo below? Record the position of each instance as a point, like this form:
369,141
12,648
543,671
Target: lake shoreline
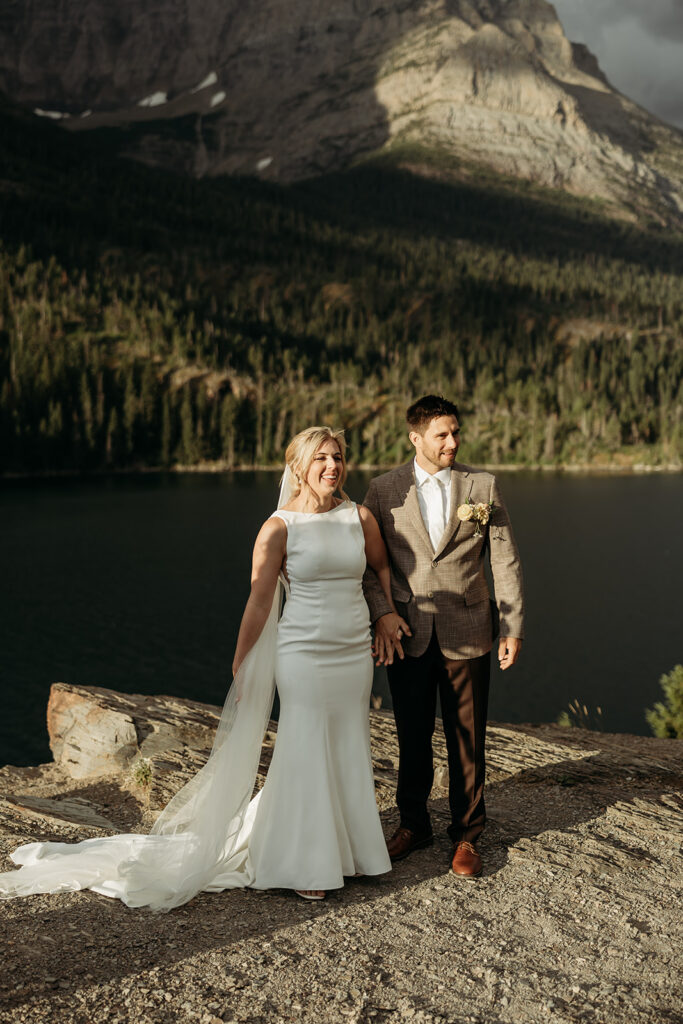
589,469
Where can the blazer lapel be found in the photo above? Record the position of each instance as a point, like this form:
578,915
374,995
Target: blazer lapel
408,491
461,487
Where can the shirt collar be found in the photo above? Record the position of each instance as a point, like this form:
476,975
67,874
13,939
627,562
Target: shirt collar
421,476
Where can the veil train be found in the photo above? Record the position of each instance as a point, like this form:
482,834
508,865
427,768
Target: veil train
199,842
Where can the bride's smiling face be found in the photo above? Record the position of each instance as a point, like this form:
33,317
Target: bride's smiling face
324,472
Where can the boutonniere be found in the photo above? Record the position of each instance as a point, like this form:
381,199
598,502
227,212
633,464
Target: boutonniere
479,512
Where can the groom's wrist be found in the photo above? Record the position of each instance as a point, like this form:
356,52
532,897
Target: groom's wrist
379,613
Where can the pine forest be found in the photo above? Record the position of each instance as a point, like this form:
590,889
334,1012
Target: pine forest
149,320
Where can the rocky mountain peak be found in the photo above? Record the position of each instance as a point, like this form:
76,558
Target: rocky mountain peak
288,91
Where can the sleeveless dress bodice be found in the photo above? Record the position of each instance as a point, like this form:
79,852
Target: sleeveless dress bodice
325,612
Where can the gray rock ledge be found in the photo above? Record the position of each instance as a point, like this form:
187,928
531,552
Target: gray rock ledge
575,918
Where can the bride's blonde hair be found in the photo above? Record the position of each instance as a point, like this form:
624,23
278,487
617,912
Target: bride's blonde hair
301,451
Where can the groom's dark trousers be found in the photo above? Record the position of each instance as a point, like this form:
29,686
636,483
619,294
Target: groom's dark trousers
463,689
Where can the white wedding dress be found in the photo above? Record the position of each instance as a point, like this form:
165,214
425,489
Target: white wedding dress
315,820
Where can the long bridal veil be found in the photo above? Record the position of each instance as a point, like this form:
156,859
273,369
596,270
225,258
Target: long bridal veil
200,840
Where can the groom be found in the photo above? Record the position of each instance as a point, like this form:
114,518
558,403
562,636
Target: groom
439,519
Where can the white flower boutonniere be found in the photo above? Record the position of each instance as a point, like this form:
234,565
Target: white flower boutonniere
479,512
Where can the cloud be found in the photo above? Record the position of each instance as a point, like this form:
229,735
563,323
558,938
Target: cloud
639,45
658,18
661,19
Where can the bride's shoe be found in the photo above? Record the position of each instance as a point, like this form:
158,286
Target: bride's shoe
310,894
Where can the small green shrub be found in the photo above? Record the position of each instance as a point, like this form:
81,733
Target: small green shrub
141,772
666,719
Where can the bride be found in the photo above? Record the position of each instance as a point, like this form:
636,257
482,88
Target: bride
315,821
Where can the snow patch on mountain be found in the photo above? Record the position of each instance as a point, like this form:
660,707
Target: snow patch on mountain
155,99
210,79
55,115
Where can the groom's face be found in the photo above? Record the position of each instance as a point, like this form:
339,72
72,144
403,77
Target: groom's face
437,447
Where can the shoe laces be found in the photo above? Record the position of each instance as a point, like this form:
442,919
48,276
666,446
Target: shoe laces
467,846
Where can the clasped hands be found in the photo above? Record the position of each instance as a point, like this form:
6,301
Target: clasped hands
391,628
389,631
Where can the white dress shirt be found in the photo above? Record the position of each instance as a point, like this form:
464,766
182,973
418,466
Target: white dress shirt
434,497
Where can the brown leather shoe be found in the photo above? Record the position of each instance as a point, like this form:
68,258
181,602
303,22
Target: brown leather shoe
466,860
404,842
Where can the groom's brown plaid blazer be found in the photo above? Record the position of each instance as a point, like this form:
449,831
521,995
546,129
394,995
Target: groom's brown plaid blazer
446,588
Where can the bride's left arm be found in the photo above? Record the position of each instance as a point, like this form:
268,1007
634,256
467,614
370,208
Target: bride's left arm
393,626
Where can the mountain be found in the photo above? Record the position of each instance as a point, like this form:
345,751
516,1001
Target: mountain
288,91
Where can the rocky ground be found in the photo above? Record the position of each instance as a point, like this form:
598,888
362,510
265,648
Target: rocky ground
575,918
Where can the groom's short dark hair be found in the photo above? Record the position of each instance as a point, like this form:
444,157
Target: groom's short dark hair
428,408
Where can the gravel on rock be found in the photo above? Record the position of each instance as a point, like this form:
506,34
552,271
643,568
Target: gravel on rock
576,916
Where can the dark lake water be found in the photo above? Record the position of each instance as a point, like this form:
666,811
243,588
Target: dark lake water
138,583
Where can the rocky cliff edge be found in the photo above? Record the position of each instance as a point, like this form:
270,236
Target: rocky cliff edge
576,916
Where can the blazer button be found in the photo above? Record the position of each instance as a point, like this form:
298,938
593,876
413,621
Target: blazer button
434,565
430,595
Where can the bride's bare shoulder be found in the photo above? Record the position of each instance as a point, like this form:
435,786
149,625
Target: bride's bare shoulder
273,532
365,515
